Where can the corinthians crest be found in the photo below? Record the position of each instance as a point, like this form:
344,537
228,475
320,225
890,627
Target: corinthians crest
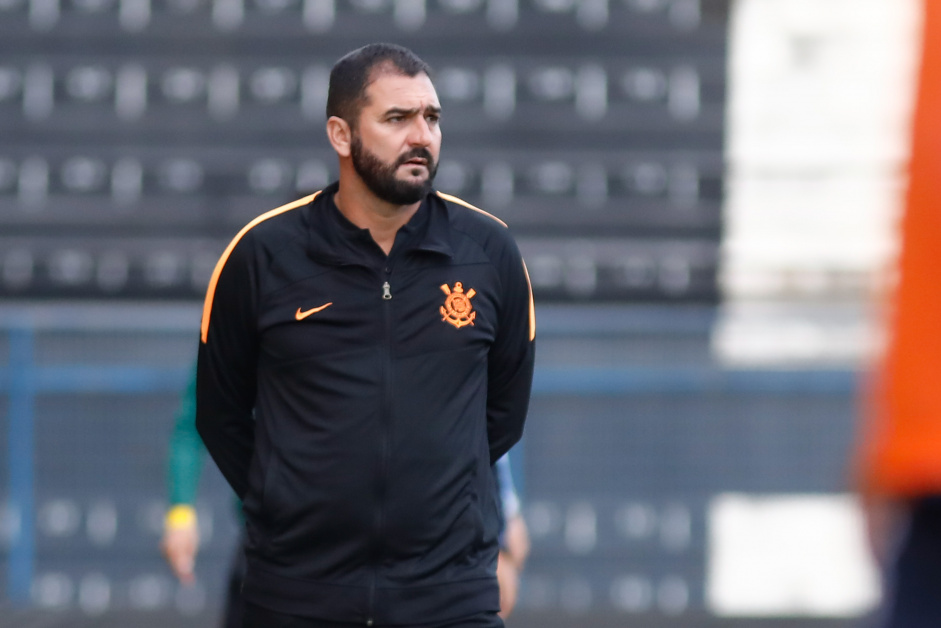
457,308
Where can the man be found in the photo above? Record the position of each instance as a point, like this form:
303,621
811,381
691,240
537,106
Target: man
366,355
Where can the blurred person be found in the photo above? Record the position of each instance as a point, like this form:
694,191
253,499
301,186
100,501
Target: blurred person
899,457
180,541
514,540
366,355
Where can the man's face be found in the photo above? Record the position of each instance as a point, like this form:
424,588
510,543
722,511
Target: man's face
397,141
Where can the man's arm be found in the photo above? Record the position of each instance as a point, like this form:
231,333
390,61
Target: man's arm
180,541
514,542
512,356
225,373
185,456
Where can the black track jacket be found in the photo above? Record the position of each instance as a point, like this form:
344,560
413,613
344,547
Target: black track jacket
355,402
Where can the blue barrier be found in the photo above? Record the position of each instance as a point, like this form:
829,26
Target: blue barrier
132,379
20,457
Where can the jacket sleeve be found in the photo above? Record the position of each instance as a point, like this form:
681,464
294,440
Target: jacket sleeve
225,373
512,356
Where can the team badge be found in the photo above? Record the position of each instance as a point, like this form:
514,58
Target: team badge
457,308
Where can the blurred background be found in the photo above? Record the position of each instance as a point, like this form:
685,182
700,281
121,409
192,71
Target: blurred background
706,193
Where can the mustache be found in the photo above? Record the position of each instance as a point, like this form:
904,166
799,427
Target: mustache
416,153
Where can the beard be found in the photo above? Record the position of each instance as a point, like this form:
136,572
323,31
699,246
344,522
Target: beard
380,177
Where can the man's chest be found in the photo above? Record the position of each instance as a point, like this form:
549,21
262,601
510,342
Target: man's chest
408,310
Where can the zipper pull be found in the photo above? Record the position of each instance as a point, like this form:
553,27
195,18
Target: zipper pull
386,291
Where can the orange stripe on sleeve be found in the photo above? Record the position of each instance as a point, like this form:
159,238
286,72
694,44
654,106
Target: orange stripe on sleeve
211,291
532,305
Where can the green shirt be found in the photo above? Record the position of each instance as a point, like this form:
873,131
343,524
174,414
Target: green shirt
186,452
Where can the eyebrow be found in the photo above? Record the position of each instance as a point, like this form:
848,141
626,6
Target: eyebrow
411,112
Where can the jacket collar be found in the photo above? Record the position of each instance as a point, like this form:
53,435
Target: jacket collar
333,239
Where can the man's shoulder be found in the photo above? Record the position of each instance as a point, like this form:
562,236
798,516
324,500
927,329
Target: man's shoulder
287,216
471,214
474,222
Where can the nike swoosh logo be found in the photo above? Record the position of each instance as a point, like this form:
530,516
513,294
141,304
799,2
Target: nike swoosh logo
302,315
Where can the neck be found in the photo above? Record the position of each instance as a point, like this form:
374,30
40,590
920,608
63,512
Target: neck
362,208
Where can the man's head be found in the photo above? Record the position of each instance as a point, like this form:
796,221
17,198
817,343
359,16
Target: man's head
383,116
352,74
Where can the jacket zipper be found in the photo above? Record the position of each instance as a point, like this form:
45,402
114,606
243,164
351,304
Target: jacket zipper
385,418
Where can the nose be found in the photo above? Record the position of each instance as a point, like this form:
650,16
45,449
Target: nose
420,132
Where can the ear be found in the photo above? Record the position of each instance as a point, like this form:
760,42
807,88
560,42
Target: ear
340,135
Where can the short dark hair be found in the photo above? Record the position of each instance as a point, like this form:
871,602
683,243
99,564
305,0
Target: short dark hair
352,74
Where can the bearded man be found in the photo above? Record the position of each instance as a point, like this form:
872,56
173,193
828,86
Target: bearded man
366,355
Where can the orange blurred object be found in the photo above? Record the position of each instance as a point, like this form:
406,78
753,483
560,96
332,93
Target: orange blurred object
901,446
